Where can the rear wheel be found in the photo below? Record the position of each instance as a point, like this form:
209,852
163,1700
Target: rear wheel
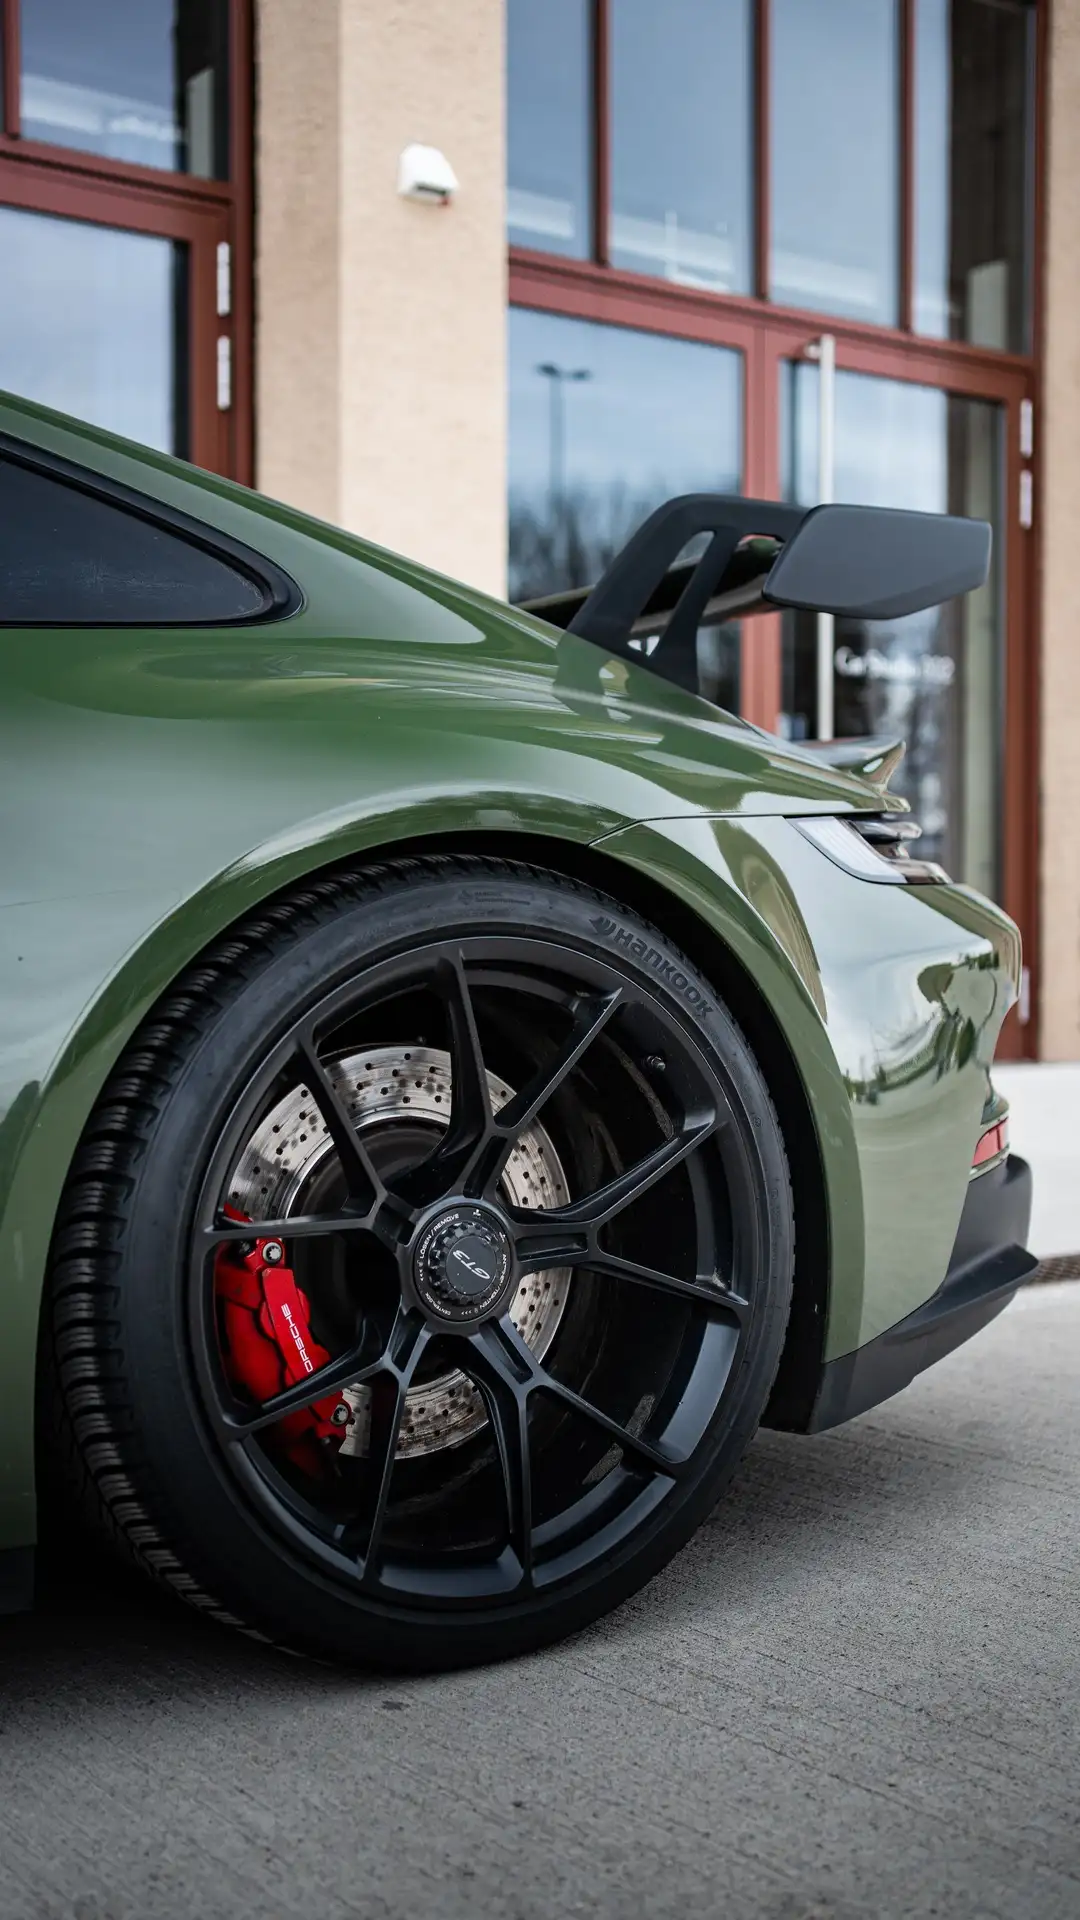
425,1267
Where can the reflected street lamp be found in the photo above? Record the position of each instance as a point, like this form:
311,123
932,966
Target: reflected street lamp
559,377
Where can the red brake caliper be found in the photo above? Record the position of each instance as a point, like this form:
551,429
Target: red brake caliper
269,1346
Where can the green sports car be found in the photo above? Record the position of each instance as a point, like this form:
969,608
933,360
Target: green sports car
457,1082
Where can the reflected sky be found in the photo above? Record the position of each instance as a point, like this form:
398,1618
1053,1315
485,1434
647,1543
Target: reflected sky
137,80
605,424
835,165
111,355
549,85
891,447
681,91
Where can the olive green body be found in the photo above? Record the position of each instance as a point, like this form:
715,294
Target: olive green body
159,784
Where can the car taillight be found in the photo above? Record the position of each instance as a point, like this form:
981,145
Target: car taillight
893,836
993,1144
873,847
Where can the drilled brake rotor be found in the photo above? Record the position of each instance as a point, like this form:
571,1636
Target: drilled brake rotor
379,1087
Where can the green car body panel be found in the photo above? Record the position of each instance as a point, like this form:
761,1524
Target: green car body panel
160,783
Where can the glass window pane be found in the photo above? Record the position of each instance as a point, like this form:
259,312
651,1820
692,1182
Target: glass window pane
549,130
973,84
115,355
935,678
835,157
68,558
681,94
605,424
138,80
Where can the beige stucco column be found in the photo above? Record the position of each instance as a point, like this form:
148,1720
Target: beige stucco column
298,253
1059,532
380,346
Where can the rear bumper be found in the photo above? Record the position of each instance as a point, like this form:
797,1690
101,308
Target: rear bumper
989,1261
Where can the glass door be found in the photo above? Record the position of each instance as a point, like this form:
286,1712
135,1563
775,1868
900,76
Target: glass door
926,431
934,679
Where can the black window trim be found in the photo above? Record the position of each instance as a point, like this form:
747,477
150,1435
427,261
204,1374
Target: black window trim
281,594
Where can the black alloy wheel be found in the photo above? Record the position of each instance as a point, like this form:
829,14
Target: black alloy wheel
480,1165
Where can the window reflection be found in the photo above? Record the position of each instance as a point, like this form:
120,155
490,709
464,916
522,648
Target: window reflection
972,170
835,157
935,678
116,356
681,82
549,113
605,424
137,80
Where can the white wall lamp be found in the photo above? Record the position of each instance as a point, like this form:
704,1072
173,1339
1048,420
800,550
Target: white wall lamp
426,174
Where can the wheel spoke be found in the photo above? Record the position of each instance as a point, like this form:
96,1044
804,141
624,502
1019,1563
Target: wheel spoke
470,1103
364,1532
536,1252
390,1383
596,1209
296,1226
518,1357
591,1017
716,1297
471,1126
347,1370
670,1465
361,1178
507,1403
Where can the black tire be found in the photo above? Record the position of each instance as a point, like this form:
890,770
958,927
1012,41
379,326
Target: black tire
371,1563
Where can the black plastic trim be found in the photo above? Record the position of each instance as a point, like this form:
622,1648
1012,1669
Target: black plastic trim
636,573
989,1262
870,563
16,1579
281,593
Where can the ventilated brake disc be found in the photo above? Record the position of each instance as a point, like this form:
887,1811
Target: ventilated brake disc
381,1087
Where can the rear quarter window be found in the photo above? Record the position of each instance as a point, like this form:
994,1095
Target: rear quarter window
72,554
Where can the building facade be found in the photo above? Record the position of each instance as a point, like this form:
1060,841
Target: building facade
784,248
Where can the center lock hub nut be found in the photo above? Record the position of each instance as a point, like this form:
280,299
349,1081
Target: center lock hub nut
463,1264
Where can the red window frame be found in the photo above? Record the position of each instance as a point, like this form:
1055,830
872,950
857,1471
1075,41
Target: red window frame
39,177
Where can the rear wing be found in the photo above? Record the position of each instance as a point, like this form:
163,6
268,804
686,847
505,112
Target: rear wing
864,563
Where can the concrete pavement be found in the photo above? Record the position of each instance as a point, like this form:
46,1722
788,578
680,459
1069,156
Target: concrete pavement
855,1694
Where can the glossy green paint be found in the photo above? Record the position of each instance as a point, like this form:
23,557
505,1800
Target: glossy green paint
892,1009
159,784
